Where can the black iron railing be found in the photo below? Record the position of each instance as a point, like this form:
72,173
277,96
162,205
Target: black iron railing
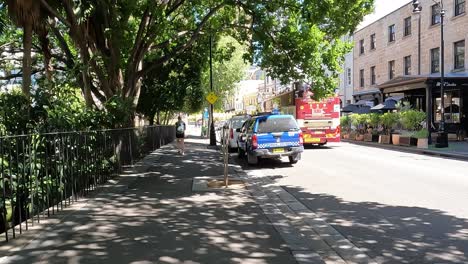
40,174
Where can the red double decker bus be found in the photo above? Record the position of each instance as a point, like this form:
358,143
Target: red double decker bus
319,120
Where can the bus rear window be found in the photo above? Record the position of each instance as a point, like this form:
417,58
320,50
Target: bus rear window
276,124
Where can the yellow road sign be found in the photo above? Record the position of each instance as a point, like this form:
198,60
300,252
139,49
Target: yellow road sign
211,98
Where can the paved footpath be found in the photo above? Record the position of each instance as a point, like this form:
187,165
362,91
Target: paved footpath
151,215
156,218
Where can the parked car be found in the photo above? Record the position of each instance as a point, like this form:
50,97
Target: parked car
232,125
269,136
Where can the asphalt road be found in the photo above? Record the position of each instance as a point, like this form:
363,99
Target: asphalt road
398,207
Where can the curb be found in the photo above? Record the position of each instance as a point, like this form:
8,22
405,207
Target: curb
410,150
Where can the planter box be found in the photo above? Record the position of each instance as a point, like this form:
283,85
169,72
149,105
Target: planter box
375,138
413,141
396,139
422,143
385,139
345,136
405,141
368,137
359,137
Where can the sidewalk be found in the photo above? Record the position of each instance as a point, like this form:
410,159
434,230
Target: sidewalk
154,217
456,150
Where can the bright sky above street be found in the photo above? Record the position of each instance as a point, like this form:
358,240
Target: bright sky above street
382,8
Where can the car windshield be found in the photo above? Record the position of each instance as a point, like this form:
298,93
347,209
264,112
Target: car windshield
276,124
237,123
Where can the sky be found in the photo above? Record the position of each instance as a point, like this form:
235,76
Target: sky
382,8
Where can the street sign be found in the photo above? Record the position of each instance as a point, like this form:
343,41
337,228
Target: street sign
211,98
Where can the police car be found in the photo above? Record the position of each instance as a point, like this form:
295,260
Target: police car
269,136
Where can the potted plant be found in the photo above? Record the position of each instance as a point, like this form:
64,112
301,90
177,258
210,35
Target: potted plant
373,121
345,124
411,121
360,124
405,138
422,137
388,120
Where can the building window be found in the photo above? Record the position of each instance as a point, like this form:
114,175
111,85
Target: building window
435,14
435,60
459,7
459,52
349,76
391,69
407,26
361,46
407,62
361,78
372,42
391,33
372,75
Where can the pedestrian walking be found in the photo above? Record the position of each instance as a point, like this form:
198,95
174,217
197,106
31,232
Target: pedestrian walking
180,135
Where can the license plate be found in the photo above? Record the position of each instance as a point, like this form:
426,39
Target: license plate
312,140
278,150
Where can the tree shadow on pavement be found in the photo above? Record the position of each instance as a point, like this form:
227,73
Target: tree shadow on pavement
159,220
392,234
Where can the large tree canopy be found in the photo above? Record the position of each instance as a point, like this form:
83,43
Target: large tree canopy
113,44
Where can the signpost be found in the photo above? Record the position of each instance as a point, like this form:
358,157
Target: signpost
212,98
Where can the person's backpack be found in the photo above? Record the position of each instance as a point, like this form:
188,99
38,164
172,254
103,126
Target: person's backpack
180,128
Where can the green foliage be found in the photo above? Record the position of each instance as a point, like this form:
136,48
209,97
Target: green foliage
403,106
345,123
423,133
14,112
229,68
374,120
119,111
389,120
412,119
293,39
175,86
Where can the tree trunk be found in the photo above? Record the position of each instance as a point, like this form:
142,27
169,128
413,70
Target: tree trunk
158,118
86,79
151,119
47,56
27,45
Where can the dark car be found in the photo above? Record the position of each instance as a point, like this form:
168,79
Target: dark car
269,136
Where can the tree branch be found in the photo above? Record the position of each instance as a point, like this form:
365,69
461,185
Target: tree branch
18,74
54,13
64,46
181,48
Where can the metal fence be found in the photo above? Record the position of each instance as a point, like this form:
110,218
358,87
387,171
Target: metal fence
40,174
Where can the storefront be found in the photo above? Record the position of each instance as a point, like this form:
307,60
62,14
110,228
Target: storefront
423,93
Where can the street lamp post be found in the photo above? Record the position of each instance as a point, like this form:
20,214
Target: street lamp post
442,137
212,127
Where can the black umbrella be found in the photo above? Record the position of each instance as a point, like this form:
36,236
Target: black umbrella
349,108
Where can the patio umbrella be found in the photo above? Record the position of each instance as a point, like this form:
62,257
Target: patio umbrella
364,109
349,108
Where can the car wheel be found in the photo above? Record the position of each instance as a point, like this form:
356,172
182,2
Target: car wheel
240,153
294,159
252,159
